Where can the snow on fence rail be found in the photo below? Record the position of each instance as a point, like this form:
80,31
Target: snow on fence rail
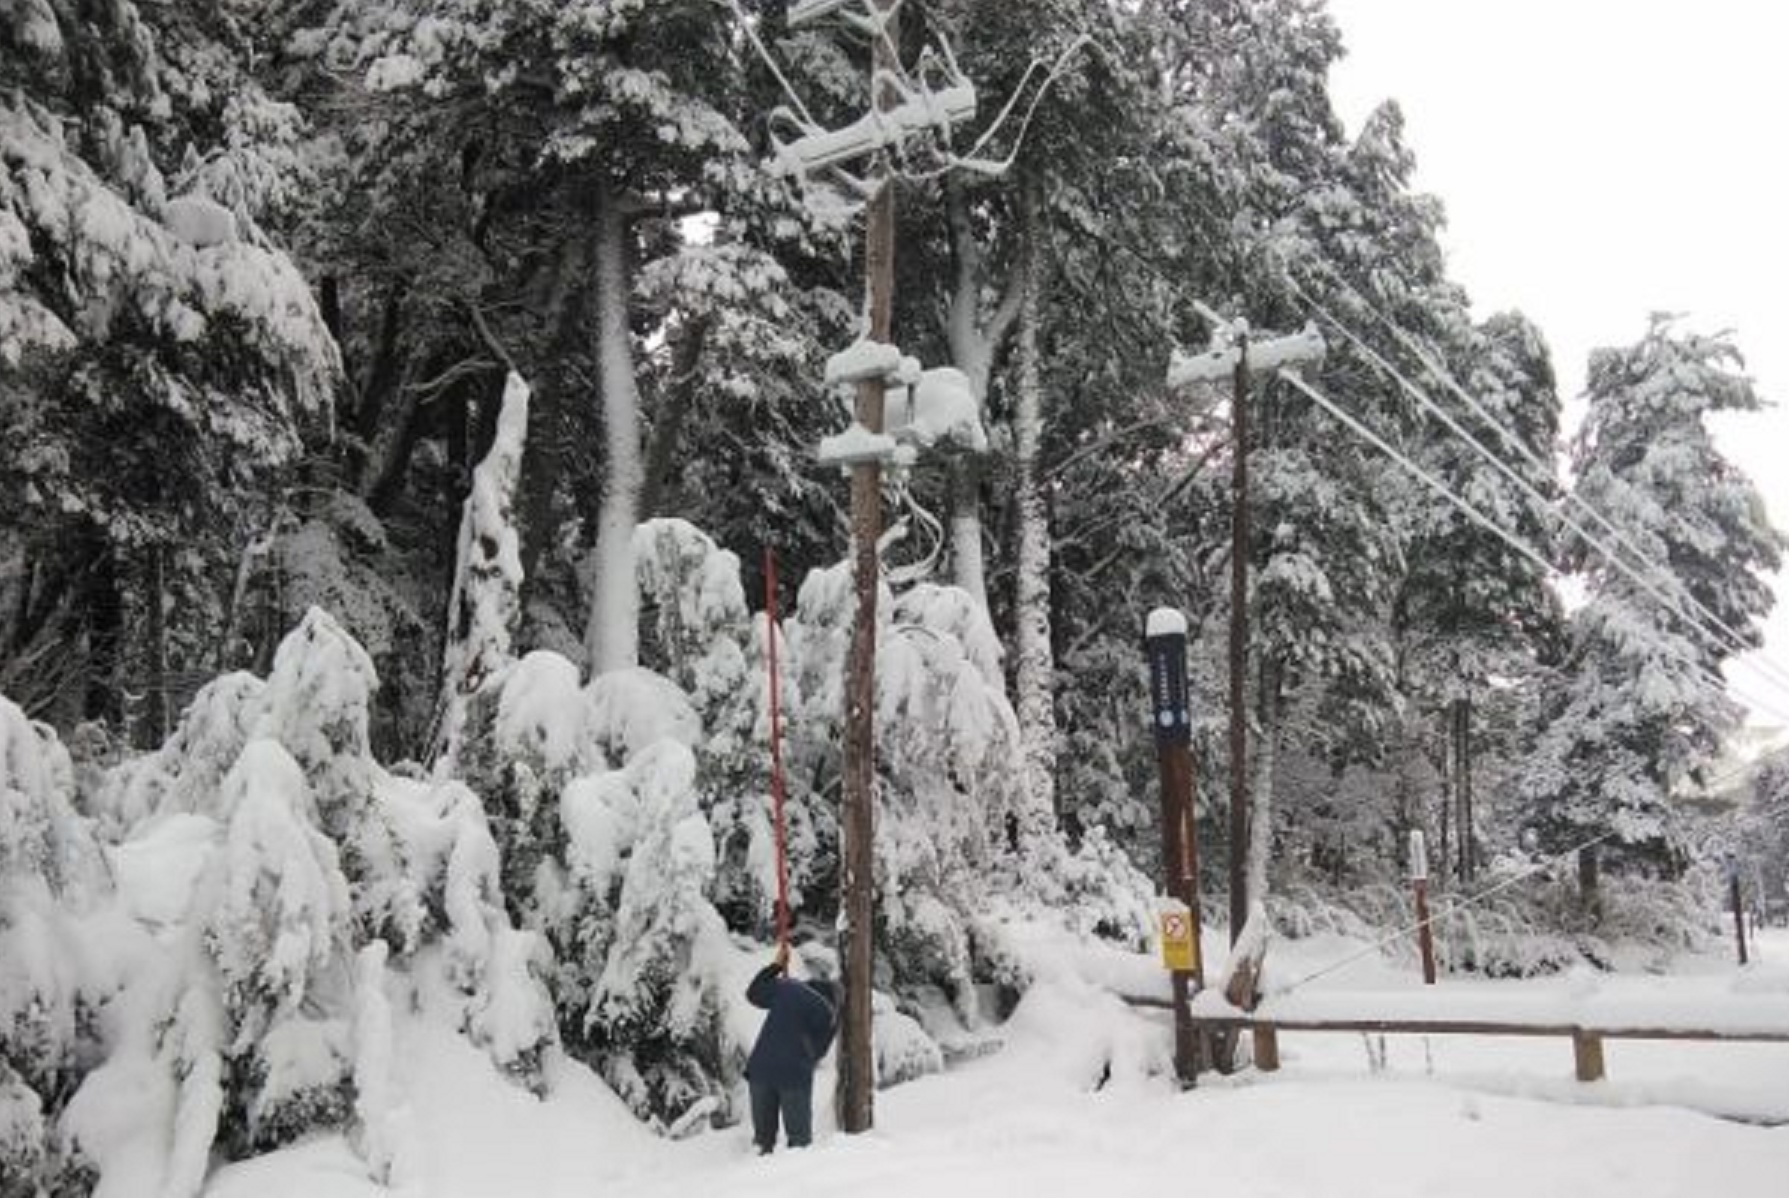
1588,1019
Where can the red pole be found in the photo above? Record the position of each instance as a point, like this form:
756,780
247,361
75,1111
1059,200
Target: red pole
1419,878
1425,936
776,750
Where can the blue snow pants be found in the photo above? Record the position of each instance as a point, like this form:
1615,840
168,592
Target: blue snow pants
796,1106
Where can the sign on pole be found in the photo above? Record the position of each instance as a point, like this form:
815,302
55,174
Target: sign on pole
1180,948
1165,636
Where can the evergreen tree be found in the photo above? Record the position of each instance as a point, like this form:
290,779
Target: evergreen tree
1473,612
1641,712
163,355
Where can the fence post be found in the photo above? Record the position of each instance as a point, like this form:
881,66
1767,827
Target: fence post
1587,1055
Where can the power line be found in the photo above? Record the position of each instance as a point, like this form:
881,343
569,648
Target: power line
1734,641
1711,684
1450,907
1422,398
1652,588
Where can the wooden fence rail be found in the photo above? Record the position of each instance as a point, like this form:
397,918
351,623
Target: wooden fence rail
1587,1040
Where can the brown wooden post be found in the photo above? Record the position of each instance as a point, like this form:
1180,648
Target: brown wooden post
856,1080
1267,1047
1165,641
1587,1055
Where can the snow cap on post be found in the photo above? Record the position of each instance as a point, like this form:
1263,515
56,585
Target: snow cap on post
1165,621
1164,635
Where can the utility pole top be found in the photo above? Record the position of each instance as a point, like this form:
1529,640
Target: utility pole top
1229,344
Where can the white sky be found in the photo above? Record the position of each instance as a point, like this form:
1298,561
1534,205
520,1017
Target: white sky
1601,160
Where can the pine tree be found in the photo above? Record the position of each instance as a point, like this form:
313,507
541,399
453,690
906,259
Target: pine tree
54,874
163,359
1474,612
1642,712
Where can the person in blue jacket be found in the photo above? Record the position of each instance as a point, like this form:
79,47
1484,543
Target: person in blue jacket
796,1033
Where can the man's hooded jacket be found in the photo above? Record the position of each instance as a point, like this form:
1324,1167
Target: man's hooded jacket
797,1031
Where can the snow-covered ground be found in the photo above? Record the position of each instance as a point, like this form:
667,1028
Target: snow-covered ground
1076,1102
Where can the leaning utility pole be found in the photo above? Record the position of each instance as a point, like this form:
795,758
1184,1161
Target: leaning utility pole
856,1084
1233,354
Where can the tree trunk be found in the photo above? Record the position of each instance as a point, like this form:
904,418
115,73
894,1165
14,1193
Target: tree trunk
388,455
377,388
1035,671
155,723
673,413
967,561
1449,776
1463,783
1248,948
1271,713
105,634
612,637
549,423
1589,878
973,345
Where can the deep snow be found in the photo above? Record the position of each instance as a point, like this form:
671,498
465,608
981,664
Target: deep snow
1469,1117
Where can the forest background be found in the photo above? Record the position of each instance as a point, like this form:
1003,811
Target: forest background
401,396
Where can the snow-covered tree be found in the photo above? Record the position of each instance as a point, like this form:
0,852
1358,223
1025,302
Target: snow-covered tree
275,916
51,874
609,856
260,852
1641,711
486,600
163,356
1474,612
631,121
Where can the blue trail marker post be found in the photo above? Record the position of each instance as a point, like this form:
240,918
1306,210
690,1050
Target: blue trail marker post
1165,642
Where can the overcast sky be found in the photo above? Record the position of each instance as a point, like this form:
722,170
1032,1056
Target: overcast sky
1600,160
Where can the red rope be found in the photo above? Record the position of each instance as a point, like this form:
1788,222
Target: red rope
776,750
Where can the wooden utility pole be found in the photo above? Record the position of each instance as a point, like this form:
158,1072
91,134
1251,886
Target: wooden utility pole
1239,636
1165,639
1234,354
857,1083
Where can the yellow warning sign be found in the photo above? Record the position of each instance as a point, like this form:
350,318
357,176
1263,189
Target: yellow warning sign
1179,950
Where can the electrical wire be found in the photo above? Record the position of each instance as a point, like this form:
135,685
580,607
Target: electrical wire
1710,683
1672,603
1734,640
1451,906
